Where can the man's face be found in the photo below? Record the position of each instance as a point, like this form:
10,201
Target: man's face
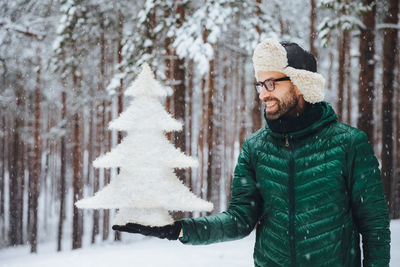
283,100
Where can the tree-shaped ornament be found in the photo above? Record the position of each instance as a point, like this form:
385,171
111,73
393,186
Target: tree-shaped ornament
146,187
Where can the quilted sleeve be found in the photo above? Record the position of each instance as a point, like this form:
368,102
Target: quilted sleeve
368,202
240,217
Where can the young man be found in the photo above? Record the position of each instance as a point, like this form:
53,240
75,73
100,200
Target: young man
310,184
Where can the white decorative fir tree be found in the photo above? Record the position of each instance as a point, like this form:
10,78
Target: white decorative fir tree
146,187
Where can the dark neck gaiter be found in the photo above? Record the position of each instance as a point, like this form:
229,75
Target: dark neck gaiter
311,114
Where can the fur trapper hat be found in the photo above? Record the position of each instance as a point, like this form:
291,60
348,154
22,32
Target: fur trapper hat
295,62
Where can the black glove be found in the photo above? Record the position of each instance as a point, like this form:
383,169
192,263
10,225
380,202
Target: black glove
170,232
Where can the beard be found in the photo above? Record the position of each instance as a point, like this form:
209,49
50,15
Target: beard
285,105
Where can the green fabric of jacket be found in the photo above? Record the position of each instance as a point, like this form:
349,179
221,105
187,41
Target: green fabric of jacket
310,193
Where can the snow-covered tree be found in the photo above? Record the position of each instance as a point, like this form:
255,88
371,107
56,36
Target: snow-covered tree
146,187
342,15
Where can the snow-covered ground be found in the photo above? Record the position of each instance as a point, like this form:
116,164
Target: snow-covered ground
142,252
151,252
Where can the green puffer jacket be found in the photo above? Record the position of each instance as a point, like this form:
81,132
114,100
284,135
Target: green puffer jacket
310,193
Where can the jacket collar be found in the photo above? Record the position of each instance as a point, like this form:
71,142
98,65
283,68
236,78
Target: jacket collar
314,117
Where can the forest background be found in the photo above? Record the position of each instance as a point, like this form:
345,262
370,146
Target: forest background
64,65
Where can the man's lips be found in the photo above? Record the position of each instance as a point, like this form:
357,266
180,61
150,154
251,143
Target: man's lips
270,104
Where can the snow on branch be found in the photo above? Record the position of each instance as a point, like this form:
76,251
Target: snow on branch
382,26
198,34
25,30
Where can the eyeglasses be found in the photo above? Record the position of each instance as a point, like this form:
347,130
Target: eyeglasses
269,84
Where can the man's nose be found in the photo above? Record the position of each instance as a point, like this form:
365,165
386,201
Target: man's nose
264,94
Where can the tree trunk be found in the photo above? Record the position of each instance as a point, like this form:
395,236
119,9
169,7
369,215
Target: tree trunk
92,178
179,108
203,129
390,52
3,152
226,127
348,78
179,96
21,161
256,111
202,133
2,174
77,181
210,129
117,235
169,59
16,176
31,160
96,178
90,144
331,63
36,165
313,32
190,118
100,111
367,69
234,117
43,182
341,71
217,139
63,172
107,173
396,179
77,184
242,101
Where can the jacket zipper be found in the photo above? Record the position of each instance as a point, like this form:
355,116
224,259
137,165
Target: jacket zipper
286,140
291,201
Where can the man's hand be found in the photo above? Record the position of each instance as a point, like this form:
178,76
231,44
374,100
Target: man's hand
170,232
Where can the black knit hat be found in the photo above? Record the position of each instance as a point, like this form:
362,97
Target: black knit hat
299,58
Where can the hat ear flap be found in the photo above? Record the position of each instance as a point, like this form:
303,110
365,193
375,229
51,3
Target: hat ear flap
310,84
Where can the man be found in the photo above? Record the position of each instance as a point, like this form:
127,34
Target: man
310,184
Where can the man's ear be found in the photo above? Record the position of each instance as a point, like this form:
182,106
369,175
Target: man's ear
297,91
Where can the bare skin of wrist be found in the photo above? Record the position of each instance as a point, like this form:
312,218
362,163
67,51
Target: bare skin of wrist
181,233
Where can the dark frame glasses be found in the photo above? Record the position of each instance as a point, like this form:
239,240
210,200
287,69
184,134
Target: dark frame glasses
269,84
